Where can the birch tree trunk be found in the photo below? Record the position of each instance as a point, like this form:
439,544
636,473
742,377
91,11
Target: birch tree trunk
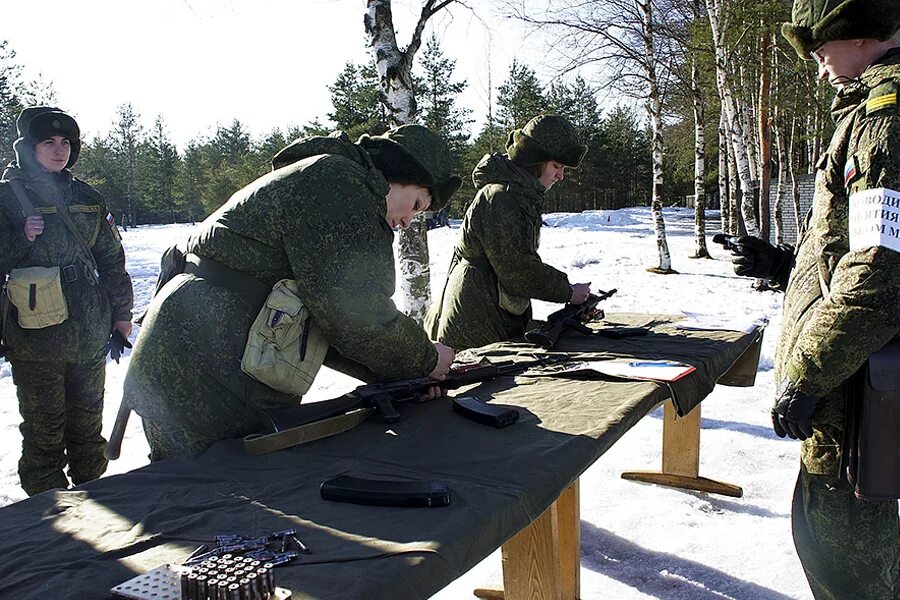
654,107
736,132
734,190
765,133
724,196
395,70
795,187
779,190
700,250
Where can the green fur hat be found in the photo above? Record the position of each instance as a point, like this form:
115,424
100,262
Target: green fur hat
415,154
547,137
815,22
38,123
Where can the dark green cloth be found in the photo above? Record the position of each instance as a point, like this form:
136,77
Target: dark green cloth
105,532
318,218
497,250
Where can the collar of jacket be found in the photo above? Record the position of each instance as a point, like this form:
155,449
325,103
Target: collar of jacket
497,168
852,95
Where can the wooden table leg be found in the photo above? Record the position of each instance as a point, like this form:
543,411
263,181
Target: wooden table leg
543,560
681,457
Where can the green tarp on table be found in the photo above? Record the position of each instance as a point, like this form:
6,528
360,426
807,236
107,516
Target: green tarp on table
80,543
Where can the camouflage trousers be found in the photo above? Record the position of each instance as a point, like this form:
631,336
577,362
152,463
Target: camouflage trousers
62,414
849,548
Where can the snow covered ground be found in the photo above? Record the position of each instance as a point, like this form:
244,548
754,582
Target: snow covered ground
638,541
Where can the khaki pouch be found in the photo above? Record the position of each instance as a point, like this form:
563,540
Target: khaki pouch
37,294
515,305
285,348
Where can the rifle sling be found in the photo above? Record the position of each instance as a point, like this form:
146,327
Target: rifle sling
63,212
264,443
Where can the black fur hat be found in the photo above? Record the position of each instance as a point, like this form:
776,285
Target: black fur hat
38,123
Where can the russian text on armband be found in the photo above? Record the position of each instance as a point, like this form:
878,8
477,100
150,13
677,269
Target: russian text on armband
875,219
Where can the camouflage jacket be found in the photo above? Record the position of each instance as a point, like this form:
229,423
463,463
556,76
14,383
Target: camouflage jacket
496,269
842,305
92,308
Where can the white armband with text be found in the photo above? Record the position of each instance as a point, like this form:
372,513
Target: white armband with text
875,219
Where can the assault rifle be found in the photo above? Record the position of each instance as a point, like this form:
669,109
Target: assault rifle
571,316
286,427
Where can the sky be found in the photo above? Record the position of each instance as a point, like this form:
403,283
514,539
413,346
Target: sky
639,542
268,63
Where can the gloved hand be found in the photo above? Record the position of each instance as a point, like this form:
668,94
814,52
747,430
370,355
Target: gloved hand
792,413
116,345
755,257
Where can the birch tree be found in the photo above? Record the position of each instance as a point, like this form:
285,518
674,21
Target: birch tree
619,35
395,72
733,118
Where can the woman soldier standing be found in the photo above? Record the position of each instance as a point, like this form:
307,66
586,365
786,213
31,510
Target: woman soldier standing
67,289
496,269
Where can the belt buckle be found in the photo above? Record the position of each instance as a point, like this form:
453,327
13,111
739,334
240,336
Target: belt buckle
70,273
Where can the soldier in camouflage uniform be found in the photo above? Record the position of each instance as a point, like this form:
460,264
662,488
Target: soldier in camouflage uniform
496,269
323,217
59,370
842,300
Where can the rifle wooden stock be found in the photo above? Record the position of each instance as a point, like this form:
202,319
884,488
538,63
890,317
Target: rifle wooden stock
114,446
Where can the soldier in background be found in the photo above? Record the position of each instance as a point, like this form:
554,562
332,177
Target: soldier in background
842,300
58,355
496,269
323,219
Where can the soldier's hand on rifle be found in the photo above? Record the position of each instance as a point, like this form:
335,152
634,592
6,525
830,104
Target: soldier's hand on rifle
34,226
446,355
580,292
793,412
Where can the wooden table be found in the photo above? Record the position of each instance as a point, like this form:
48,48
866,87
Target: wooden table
515,487
544,561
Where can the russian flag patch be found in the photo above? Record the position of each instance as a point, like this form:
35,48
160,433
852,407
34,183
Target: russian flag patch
110,219
850,171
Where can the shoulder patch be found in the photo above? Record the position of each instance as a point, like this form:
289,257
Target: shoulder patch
882,96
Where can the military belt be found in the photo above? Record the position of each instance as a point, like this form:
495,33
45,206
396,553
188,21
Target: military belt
479,262
218,274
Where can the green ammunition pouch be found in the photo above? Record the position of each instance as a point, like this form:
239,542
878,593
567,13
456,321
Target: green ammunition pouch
285,348
871,452
37,294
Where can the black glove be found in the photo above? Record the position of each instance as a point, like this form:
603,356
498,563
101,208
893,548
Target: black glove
755,257
116,345
792,413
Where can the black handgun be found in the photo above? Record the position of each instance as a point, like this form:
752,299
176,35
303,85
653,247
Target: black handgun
729,242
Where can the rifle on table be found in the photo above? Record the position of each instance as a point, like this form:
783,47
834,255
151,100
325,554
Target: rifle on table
286,427
571,316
